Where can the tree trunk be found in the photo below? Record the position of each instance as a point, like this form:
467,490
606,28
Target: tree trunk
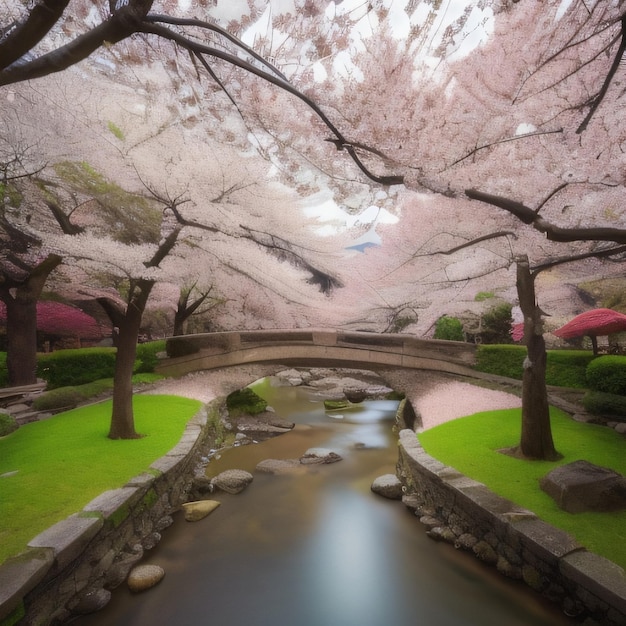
536,438
122,417
21,340
20,299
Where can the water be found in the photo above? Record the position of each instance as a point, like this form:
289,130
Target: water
319,548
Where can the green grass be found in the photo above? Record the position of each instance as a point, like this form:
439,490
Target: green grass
471,445
64,462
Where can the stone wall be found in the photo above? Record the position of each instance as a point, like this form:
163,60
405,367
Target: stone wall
461,511
71,567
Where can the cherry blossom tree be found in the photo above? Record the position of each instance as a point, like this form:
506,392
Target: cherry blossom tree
25,264
59,320
502,98
130,19
194,300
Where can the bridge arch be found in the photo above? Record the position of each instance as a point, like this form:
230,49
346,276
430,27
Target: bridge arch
316,348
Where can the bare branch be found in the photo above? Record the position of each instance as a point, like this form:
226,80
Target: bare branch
597,101
551,231
505,140
597,254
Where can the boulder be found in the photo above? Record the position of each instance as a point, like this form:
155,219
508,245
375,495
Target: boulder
318,456
262,426
92,602
583,486
280,466
144,577
356,396
118,572
232,481
388,486
195,511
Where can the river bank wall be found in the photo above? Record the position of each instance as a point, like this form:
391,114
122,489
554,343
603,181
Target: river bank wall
463,512
71,567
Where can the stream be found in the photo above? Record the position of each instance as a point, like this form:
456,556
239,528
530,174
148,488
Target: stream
318,548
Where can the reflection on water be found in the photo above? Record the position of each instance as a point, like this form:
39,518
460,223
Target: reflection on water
319,549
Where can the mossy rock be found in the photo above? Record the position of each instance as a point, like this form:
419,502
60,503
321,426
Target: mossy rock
336,405
245,402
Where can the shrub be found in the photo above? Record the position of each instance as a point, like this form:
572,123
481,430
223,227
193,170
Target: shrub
147,356
501,360
7,424
608,404
245,402
567,368
481,296
564,368
449,328
65,368
57,399
496,324
607,374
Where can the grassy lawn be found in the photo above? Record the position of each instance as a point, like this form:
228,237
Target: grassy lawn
52,468
470,445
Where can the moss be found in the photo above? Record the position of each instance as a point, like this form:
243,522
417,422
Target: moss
216,428
130,218
15,616
609,293
481,296
116,130
150,498
119,516
336,405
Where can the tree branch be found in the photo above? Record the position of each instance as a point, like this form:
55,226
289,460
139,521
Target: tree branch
597,101
123,23
551,231
200,49
505,140
598,254
21,36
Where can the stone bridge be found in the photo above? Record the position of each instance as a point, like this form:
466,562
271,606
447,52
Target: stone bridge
316,348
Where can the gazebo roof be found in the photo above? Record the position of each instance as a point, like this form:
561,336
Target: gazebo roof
594,323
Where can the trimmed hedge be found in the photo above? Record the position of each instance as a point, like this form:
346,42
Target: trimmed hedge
502,360
606,404
64,397
608,374
567,368
64,368
564,368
